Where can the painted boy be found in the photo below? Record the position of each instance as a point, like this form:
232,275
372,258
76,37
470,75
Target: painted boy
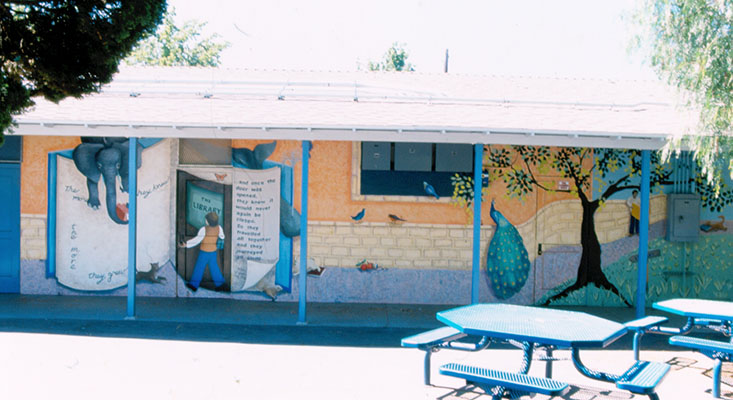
207,237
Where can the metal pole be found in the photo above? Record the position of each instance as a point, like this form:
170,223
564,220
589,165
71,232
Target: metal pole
303,234
643,234
51,225
477,186
132,228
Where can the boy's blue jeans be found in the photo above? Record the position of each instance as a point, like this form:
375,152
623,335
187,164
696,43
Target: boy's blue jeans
210,258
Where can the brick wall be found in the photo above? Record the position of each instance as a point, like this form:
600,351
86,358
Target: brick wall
418,246
33,236
426,246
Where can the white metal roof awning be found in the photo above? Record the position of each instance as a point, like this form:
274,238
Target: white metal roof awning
398,107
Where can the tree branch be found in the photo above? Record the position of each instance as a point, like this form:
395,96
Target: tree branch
534,180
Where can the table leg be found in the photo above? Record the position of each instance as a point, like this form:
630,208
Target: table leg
548,365
528,348
601,376
428,353
497,392
717,368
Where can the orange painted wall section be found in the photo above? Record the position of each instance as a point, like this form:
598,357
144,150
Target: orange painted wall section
329,191
330,199
34,168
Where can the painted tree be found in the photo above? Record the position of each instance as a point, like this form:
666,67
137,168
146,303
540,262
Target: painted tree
59,49
520,166
174,45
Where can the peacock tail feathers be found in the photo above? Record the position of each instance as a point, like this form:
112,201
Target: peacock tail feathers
507,261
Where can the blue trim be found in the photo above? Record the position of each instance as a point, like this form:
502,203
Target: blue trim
51,215
477,186
147,142
64,153
643,233
302,288
132,228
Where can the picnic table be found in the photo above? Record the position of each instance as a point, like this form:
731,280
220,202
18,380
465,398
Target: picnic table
713,314
709,313
548,329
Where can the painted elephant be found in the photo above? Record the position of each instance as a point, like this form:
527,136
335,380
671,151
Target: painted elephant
105,158
253,159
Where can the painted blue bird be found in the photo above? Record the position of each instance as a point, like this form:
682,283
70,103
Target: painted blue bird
359,215
429,189
507,260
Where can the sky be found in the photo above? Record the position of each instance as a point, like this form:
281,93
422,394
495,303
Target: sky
559,38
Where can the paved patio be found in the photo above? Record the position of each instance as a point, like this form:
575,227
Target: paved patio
82,348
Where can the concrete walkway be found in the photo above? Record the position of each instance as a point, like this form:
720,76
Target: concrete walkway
83,348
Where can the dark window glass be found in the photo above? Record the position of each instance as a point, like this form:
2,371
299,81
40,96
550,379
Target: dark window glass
410,165
12,150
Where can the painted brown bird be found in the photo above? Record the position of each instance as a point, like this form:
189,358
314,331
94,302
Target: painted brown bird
395,219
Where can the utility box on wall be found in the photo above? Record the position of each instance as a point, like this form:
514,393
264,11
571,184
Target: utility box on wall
683,217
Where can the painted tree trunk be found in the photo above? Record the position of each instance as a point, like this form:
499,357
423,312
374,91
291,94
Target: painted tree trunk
589,270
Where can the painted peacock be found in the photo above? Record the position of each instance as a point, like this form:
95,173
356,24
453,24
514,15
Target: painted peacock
507,261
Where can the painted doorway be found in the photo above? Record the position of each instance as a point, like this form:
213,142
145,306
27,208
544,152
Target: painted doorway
193,192
10,157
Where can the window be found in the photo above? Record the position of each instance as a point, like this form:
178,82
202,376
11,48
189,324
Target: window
12,150
399,169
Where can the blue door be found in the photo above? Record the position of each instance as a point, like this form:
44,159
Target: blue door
10,228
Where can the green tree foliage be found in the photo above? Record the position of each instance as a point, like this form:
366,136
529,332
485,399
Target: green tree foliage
174,45
58,49
395,59
689,44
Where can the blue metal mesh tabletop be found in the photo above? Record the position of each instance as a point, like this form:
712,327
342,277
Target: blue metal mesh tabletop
698,308
533,324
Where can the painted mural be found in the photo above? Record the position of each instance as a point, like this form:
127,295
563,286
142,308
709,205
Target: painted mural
507,261
233,225
571,211
606,273
106,158
91,236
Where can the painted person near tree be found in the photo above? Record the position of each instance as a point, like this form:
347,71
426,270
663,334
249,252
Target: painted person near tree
634,206
207,236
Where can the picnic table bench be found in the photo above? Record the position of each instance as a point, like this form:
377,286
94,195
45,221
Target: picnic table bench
716,350
495,382
640,327
440,338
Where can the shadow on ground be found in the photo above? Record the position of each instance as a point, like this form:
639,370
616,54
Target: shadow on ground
257,334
